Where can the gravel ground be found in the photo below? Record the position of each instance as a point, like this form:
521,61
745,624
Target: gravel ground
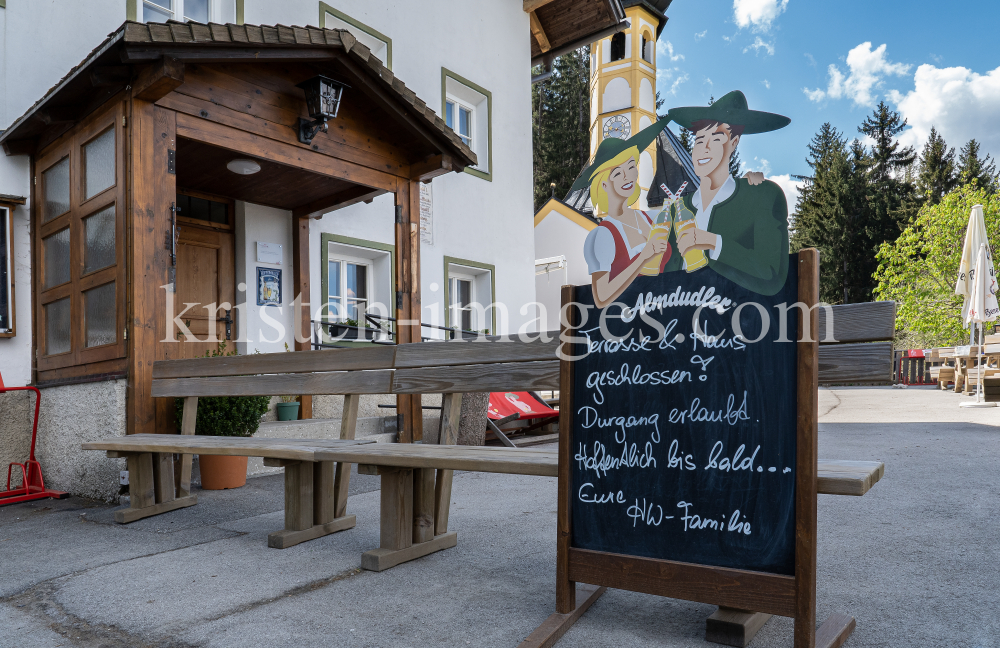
916,561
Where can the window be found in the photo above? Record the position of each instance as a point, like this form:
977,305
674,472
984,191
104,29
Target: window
461,295
79,236
467,109
377,42
6,271
648,47
203,11
618,46
348,289
459,119
469,295
358,279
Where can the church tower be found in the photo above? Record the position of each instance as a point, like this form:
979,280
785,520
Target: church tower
623,83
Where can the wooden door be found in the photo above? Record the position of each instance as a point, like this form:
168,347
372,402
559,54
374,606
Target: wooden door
205,282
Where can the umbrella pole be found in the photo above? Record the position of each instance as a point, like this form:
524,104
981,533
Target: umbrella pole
979,360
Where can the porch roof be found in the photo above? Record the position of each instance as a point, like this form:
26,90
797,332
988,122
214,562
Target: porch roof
115,63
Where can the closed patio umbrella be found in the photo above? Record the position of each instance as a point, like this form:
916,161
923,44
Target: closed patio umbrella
981,306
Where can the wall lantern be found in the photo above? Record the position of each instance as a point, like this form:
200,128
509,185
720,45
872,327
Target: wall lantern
322,101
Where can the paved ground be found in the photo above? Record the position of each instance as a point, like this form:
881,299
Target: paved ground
917,560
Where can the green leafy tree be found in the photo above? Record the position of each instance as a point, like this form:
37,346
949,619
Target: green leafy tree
972,168
561,125
937,174
919,269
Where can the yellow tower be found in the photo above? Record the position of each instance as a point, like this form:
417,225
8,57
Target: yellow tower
623,82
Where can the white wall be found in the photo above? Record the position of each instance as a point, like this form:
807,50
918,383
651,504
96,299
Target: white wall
557,235
268,225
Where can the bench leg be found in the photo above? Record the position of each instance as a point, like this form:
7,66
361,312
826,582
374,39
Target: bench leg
309,503
423,505
397,522
151,487
442,500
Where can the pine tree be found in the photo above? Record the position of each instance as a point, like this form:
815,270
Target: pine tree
687,139
972,168
561,125
937,174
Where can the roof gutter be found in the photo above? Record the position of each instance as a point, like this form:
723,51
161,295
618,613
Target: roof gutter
547,58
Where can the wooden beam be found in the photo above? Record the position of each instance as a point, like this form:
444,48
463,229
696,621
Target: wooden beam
433,167
20,146
300,293
235,139
151,190
339,200
110,76
209,54
408,299
58,115
159,80
531,5
538,32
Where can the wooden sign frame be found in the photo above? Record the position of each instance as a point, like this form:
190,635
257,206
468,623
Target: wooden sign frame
790,596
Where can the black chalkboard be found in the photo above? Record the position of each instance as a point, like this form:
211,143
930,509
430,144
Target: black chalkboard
685,449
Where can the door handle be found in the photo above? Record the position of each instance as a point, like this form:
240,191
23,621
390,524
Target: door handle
229,324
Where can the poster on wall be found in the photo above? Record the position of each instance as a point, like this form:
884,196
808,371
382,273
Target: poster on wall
268,287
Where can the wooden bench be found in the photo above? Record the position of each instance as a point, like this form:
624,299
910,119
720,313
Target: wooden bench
315,500
417,479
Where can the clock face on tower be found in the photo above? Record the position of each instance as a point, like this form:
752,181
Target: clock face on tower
617,126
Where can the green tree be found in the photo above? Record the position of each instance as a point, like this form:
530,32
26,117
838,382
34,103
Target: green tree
830,214
919,269
937,175
972,168
561,125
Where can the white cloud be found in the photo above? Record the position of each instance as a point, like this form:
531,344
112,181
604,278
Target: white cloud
758,14
812,61
709,81
666,48
767,84
677,82
759,164
959,103
701,35
760,44
790,187
866,70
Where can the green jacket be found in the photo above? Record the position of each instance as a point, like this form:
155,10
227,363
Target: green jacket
753,224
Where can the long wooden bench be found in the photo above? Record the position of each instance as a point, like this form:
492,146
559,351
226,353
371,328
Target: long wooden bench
315,503
417,479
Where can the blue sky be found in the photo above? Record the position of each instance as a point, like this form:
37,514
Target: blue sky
937,64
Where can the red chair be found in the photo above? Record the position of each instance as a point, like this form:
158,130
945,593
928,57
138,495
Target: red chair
32,484
505,407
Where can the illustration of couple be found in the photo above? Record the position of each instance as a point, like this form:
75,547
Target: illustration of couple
738,228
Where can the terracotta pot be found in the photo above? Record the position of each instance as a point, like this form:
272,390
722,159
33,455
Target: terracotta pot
220,472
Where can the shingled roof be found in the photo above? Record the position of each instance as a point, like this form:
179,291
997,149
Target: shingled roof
141,43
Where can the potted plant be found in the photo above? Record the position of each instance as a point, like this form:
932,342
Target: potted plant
225,416
350,329
288,408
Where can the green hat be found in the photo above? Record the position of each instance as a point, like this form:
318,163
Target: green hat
612,146
730,109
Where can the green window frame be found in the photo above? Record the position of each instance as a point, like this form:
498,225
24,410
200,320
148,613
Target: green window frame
324,9
132,10
447,74
492,269
326,239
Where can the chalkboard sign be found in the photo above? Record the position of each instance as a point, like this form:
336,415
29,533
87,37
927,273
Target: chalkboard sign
683,440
